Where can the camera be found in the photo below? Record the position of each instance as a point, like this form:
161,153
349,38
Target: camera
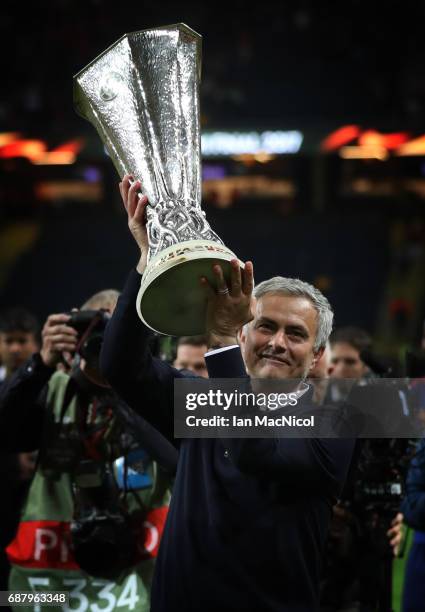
102,536
90,325
385,453
382,466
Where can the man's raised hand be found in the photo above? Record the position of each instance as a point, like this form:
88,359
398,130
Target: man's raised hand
135,206
229,306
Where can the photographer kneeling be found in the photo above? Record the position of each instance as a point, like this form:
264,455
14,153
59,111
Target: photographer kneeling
95,511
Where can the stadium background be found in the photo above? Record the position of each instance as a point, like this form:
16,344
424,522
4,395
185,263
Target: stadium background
314,162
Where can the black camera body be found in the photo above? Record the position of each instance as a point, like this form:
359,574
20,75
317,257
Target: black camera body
102,536
379,487
90,325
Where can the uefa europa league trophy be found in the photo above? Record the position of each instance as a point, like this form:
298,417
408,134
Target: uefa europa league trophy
142,96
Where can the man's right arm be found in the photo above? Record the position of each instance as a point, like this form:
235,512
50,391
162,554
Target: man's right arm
125,352
146,384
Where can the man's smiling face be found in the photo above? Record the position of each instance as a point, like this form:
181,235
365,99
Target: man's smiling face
279,342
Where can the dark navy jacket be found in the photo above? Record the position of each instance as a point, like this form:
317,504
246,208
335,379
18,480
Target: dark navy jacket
248,518
413,506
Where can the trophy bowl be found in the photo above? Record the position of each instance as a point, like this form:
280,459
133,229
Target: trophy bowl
171,299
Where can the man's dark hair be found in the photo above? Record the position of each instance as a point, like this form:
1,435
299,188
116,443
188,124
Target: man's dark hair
191,341
354,336
21,320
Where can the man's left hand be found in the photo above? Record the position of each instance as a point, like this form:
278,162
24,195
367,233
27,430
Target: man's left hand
229,307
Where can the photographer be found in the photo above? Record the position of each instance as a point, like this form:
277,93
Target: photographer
19,339
359,558
96,507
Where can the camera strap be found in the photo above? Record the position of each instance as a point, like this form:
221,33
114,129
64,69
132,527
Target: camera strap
87,396
70,392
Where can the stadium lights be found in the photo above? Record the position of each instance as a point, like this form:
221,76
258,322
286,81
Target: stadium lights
414,147
340,137
364,152
365,144
249,158
7,138
216,144
55,158
12,146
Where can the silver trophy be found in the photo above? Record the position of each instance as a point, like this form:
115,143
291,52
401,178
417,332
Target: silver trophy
142,96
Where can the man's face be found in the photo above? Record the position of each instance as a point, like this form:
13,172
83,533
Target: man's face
279,342
15,348
191,358
346,362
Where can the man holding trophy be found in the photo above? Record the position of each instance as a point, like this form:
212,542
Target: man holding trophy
248,517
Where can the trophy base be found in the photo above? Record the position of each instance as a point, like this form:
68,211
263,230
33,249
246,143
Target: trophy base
171,299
